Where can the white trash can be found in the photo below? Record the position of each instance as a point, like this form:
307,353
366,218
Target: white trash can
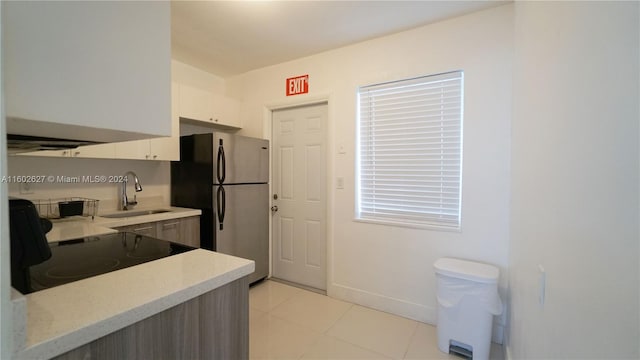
468,299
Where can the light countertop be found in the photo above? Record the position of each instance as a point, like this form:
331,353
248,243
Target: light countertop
65,317
76,227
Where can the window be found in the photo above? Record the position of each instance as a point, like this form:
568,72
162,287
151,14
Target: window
410,151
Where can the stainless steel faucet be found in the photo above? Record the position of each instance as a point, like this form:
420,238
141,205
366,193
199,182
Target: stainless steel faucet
125,203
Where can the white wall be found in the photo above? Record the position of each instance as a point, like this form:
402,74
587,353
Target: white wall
390,268
575,181
186,74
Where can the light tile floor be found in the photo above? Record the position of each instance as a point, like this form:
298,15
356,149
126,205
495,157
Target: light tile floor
290,323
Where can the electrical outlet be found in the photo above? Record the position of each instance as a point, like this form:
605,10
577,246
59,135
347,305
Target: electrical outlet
26,188
340,182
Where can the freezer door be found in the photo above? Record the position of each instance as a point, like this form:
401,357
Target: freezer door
243,212
240,159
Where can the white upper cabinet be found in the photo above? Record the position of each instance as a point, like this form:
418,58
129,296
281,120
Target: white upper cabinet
209,109
196,104
87,70
154,149
100,151
168,148
136,150
164,148
48,153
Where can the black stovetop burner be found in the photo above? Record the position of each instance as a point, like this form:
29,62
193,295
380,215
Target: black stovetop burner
78,259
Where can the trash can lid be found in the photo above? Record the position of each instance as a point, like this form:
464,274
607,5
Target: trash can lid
468,270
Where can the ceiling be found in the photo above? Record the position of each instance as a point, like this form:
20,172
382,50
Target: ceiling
232,37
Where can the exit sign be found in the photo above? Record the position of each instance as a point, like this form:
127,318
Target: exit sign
298,85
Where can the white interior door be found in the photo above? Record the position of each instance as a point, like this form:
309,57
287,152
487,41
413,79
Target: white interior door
299,183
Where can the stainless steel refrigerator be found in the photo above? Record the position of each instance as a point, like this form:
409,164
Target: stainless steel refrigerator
226,176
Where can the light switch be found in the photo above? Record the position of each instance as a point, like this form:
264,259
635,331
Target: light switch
339,182
543,284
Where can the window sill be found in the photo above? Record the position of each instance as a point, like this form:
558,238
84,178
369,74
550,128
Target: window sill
408,225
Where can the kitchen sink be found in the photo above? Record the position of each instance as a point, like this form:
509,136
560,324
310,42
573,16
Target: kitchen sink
125,214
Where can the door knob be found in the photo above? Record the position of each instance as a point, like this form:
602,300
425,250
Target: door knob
274,208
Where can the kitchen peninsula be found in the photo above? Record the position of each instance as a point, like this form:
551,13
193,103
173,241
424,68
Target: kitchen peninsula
190,305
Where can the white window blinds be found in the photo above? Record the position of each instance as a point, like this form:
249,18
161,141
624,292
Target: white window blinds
410,151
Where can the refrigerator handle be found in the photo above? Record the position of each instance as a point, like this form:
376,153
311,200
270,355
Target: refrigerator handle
221,205
221,164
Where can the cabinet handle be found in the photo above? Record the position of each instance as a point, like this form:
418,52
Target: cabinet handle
170,224
155,156
76,153
142,230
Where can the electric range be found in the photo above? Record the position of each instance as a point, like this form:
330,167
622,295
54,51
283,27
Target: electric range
77,259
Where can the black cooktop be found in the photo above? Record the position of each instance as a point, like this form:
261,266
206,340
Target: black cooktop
78,259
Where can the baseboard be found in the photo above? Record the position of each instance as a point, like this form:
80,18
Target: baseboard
384,303
418,312
304,287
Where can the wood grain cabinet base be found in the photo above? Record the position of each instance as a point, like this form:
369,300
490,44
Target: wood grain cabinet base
214,325
182,230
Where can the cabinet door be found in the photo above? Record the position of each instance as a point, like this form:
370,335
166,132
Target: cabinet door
88,66
49,153
226,111
196,104
168,148
190,231
136,150
184,231
101,151
164,149
170,230
204,107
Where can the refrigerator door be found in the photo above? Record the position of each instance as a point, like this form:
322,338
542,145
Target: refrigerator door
240,159
245,227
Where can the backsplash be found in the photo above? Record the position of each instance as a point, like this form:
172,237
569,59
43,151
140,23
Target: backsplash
90,178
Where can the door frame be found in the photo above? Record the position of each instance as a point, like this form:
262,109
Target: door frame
267,127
